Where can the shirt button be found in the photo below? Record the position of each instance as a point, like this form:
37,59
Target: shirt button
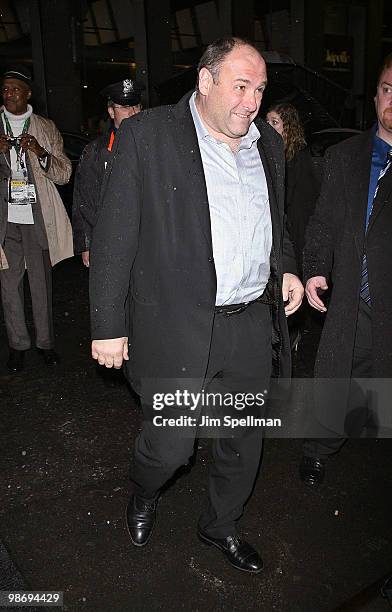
211,259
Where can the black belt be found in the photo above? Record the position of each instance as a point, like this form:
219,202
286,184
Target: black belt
231,309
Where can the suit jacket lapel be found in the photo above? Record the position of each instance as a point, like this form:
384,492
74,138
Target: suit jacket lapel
271,172
383,197
357,186
188,147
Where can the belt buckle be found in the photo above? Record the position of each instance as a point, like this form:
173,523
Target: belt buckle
228,313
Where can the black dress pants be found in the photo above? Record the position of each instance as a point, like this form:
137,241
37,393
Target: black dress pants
357,409
239,362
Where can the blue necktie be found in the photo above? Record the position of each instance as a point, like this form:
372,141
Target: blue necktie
365,293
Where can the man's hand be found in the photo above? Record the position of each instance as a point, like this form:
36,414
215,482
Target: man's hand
313,286
110,353
293,292
86,258
4,144
29,142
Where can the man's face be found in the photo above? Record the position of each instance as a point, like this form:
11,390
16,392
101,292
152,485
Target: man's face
15,96
229,106
383,103
118,112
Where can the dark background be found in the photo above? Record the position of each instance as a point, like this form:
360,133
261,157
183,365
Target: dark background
66,435
76,47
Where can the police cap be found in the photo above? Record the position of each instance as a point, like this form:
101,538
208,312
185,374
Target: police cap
125,93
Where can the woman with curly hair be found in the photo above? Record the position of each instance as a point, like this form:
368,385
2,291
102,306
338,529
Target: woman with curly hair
284,118
302,186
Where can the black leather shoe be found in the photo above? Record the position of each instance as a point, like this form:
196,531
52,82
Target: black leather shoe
312,470
240,554
140,518
49,356
15,360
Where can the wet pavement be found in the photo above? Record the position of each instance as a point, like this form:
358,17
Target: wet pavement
66,439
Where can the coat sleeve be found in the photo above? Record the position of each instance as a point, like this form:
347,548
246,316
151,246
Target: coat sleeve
285,250
87,184
59,167
323,226
289,263
115,238
302,192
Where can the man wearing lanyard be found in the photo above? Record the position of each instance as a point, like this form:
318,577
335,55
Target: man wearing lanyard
349,246
123,101
35,232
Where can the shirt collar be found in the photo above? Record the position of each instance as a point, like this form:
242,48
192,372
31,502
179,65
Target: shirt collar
18,118
202,133
380,146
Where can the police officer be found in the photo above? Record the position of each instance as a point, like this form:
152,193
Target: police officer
123,101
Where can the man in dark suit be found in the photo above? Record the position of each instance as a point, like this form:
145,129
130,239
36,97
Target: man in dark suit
192,229
349,247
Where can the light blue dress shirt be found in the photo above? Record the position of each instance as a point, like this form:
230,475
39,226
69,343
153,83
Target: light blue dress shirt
240,216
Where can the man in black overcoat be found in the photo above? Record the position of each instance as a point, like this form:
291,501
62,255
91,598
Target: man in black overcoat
192,229
123,100
349,249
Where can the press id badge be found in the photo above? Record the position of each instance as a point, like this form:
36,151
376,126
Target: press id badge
22,192
21,196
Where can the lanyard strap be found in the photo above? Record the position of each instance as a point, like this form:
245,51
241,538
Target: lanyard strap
15,144
10,133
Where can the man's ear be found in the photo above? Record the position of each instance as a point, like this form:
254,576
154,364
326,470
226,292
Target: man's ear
111,112
205,81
